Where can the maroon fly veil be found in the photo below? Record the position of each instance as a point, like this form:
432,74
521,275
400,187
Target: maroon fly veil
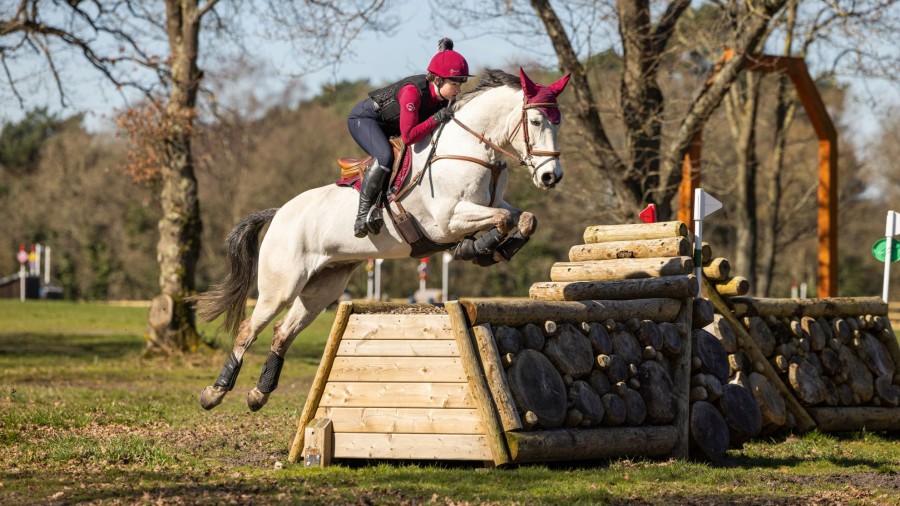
541,97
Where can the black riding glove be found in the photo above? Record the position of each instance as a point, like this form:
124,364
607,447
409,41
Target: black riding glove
443,115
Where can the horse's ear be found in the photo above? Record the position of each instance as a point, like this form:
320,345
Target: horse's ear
528,85
560,85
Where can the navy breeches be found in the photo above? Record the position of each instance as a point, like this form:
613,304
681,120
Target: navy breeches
365,126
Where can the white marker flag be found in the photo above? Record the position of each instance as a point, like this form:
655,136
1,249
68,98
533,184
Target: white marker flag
893,224
704,205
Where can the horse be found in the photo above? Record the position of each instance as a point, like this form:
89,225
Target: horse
309,251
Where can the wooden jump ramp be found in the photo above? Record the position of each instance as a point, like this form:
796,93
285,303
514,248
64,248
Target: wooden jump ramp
424,382
613,357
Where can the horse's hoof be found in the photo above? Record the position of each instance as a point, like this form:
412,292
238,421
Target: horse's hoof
256,399
211,397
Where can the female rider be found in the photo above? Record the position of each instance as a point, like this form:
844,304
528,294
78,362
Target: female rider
411,109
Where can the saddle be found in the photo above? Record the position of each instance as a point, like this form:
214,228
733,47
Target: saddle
353,167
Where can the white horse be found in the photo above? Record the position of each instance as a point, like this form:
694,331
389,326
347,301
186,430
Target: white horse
309,251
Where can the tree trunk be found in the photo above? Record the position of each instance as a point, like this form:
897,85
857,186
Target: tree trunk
745,204
179,227
752,31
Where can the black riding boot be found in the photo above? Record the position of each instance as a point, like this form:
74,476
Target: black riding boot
368,218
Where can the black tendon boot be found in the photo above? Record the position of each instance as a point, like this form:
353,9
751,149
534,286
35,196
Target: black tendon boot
368,218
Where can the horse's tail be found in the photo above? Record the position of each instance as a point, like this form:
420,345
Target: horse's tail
230,296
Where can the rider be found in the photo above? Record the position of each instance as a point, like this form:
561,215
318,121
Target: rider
411,109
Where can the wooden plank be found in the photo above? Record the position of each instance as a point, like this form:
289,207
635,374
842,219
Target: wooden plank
397,395
341,317
394,326
577,444
397,348
478,384
410,420
681,383
398,369
856,418
411,446
801,416
496,378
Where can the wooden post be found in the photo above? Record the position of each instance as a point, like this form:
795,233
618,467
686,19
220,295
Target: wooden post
319,437
521,311
804,421
623,268
681,382
635,231
675,287
648,248
594,443
345,309
690,179
815,308
496,377
855,418
478,384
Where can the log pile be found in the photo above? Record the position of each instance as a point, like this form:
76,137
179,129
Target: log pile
842,353
830,363
632,369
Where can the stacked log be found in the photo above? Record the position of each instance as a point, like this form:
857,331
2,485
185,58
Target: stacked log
591,374
641,262
809,362
718,271
830,352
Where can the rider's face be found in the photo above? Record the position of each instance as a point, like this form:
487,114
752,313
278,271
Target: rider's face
449,89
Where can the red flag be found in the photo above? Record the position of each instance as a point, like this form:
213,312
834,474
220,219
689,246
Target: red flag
648,215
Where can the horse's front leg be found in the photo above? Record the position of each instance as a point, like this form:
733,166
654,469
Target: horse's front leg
469,218
526,226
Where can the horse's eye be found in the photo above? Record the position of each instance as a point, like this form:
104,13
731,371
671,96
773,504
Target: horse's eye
536,122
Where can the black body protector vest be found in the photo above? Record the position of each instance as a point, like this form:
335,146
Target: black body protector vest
388,105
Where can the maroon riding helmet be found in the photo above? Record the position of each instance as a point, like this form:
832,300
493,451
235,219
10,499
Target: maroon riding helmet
449,64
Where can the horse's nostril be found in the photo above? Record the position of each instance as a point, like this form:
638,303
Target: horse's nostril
548,179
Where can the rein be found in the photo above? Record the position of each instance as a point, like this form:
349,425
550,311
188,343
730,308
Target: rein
496,168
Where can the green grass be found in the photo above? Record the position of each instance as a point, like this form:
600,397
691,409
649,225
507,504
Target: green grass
85,418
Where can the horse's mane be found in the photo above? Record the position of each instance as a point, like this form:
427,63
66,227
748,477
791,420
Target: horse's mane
490,79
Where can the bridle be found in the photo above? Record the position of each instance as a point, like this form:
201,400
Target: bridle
498,167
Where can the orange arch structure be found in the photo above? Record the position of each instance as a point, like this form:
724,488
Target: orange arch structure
795,68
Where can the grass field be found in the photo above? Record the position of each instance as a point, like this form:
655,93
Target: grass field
85,419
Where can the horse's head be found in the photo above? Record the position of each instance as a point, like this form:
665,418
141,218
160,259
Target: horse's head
540,124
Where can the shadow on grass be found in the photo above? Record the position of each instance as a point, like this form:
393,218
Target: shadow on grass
87,347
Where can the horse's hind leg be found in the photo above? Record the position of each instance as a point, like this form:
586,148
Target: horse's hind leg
249,330
322,289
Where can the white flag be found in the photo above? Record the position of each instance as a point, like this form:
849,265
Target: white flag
893,224
704,204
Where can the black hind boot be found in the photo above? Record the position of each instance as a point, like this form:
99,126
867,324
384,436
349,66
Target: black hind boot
368,218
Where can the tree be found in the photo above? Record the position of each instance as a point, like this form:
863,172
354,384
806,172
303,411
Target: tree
156,48
644,169
21,143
